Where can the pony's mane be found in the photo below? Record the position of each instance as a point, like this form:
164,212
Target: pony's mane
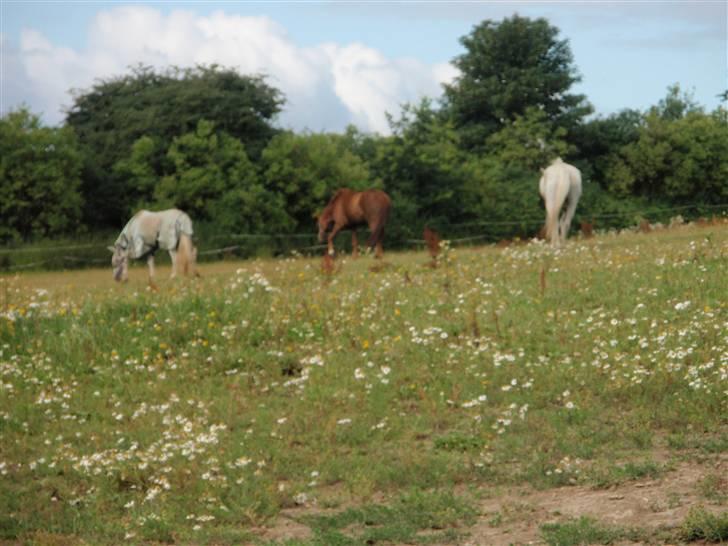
337,195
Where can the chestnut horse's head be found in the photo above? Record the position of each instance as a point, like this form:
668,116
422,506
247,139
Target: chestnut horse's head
326,218
325,223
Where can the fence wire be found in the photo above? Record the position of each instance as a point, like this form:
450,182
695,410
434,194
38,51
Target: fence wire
245,245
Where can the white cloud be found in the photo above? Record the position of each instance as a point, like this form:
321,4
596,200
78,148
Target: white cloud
326,86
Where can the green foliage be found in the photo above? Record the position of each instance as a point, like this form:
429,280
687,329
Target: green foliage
509,66
115,113
502,194
599,140
702,525
580,532
39,179
530,141
683,160
676,104
138,171
420,166
304,170
615,475
400,522
213,178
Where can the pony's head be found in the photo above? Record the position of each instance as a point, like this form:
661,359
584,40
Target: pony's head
325,223
120,262
326,218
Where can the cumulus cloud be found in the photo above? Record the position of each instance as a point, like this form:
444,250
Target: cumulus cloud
327,85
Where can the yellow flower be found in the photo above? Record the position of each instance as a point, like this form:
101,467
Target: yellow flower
365,344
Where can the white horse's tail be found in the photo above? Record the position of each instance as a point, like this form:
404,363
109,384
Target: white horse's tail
554,202
186,255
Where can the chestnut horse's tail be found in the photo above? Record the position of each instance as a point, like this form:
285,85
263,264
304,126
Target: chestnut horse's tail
378,233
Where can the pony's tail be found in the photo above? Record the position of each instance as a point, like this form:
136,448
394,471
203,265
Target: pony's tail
186,255
558,196
552,225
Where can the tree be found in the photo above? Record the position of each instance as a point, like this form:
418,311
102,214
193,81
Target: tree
681,160
419,165
676,104
39,179
509,66
305,169
599,140
213,179
530,141
115,113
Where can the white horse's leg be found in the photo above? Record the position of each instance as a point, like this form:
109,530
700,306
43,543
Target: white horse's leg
565,224
552,225
173,257
150,263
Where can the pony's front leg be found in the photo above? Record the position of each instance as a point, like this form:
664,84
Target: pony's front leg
333,233
354,245
150,263
173,257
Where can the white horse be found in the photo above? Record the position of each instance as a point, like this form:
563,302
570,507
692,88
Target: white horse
149,231
559,182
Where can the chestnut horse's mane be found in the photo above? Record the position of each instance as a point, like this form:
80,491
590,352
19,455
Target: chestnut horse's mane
336,195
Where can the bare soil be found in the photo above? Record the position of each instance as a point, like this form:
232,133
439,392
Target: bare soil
515,516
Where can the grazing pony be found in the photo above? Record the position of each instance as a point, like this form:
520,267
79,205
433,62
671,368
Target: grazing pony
559,182
149,231
350,209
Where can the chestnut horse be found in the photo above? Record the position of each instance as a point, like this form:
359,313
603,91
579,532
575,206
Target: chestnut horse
349,209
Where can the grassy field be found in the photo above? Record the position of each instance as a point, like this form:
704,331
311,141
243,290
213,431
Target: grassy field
386,403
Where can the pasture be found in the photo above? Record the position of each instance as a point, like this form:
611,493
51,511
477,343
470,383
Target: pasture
508,395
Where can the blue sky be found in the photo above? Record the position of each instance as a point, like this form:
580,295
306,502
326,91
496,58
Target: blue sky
349,62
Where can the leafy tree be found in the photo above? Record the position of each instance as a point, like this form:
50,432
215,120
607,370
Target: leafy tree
681,160
530,141
39,178
305,169
115,113
213,179
676,105
507,67
503,195
139,173
600,139
419,167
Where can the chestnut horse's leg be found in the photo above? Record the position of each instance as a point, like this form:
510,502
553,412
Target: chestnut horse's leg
375,240
379,252
354,244
332,234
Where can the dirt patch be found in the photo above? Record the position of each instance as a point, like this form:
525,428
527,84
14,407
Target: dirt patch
515,516
649,504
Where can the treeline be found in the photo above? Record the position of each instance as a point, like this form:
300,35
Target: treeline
204,140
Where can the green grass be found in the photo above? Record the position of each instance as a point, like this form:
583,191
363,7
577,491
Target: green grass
580,532
702,525
199,413
438,514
